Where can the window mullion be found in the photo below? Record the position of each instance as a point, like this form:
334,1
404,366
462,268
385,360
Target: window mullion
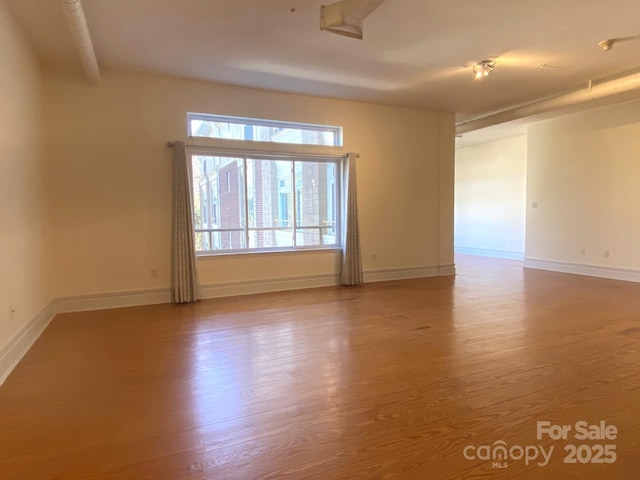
295,203
246,203
339,217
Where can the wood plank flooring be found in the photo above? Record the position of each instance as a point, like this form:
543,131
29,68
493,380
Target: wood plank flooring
386,381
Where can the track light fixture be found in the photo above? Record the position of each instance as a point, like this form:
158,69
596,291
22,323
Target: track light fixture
483,68
608,44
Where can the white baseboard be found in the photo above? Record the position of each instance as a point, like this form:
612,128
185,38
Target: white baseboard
407,273
487,252
613,273
447,270
104,301
231,289
12,352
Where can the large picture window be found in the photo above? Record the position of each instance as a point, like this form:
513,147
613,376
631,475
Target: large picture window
251,203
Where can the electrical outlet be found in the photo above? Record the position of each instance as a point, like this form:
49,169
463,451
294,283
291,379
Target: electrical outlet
374,257
583,251
606,253
153,273
12,310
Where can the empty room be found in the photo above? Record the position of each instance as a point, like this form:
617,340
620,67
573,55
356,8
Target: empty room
350,240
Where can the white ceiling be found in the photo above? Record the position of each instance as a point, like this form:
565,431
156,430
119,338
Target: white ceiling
415,52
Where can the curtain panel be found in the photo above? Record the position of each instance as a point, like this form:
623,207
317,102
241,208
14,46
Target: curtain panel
351,273
184,274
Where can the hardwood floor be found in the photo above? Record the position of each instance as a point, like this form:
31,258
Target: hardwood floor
386,381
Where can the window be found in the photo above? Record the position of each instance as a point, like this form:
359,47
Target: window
249,201
264,203
257,130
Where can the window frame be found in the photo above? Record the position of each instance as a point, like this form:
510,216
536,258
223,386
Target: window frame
250,154
259,122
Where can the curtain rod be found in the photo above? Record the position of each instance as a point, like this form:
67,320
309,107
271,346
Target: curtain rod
171,145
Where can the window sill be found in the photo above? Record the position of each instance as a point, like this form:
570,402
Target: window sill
275,251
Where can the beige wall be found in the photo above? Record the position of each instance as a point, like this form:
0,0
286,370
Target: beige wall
491,198
446,187
584,174
22,258
111,188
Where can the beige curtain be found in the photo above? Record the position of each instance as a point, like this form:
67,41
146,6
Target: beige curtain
351,273
184,274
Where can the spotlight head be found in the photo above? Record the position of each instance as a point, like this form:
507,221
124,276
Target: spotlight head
483,68
607,45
